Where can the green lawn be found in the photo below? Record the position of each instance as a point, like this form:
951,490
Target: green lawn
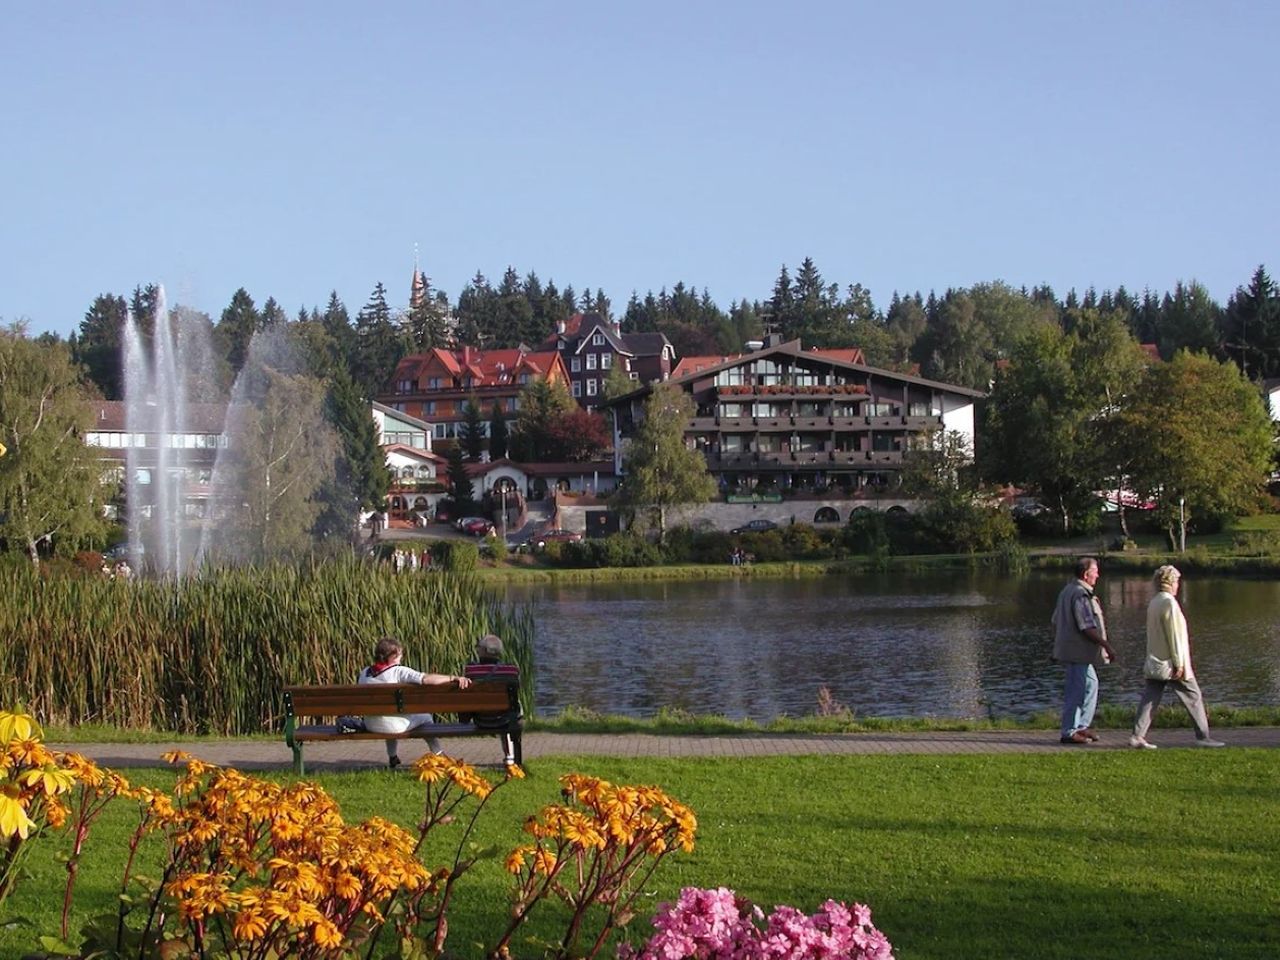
1113,855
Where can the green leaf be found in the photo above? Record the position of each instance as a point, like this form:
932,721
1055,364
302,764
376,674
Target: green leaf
58,947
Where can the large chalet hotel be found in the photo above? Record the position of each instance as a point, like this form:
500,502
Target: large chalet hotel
787,419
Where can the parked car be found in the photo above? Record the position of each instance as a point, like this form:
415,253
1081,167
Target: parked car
558,536
755,526
476,526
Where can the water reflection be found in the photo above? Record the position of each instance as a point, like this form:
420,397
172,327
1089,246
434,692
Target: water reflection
950,645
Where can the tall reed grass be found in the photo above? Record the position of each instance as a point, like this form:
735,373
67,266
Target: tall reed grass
211,654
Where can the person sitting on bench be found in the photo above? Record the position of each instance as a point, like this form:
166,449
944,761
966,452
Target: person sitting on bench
488,665
386,668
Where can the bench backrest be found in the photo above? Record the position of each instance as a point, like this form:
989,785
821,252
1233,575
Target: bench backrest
387,699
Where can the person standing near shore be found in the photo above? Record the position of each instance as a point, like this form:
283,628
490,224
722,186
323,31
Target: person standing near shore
1080,644
1169,663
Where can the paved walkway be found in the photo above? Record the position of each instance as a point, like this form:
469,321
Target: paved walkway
364,754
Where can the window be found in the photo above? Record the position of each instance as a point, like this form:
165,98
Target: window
404,386
597,340
524,378
879,409
591,361
513,404
433,383
575,364
918,410
142,476
633,375
577,388
606,361
429,407
591,388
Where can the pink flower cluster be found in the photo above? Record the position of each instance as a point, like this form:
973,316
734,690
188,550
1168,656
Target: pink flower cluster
719,925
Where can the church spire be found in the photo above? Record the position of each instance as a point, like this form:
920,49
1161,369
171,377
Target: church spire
418,288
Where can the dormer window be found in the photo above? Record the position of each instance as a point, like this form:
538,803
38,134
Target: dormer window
597,340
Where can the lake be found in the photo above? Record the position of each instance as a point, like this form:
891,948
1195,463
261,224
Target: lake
951,644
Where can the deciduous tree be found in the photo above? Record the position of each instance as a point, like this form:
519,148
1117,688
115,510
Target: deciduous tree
51,490
282,449
1201,439
541,402
659,470
577,436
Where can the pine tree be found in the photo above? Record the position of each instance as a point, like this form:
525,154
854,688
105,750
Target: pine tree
1251,327
378,347
272,314
460,485
236,327
472,438
781,305
360,478
99,345
337,323
497,432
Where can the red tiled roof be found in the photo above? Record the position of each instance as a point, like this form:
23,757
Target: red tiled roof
488,367
844,354
689,365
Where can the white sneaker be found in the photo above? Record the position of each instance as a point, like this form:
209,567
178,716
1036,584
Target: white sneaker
1138,743
1209,743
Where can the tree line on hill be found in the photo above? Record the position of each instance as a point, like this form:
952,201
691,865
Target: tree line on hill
958,336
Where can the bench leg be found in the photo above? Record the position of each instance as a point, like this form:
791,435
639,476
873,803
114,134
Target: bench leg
517,750
297,758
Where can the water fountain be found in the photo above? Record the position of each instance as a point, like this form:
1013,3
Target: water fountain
156,409
175,412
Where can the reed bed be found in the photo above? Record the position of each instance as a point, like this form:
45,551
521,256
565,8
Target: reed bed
210,654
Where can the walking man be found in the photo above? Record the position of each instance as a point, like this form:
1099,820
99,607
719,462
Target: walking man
1080,644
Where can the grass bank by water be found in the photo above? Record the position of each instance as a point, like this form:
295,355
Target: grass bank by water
678,723
1112,856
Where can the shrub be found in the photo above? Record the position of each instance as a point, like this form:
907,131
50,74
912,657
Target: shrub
686,545
767,546
803,542
455,556
619,550
962,526
720,925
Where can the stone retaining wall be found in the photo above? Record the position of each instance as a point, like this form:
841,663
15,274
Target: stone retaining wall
726,516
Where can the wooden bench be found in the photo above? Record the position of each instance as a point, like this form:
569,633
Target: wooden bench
496,702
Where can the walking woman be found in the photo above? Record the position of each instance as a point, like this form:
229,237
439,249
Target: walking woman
1168,663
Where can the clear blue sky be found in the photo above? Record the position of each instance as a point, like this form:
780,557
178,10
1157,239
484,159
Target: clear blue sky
294,148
